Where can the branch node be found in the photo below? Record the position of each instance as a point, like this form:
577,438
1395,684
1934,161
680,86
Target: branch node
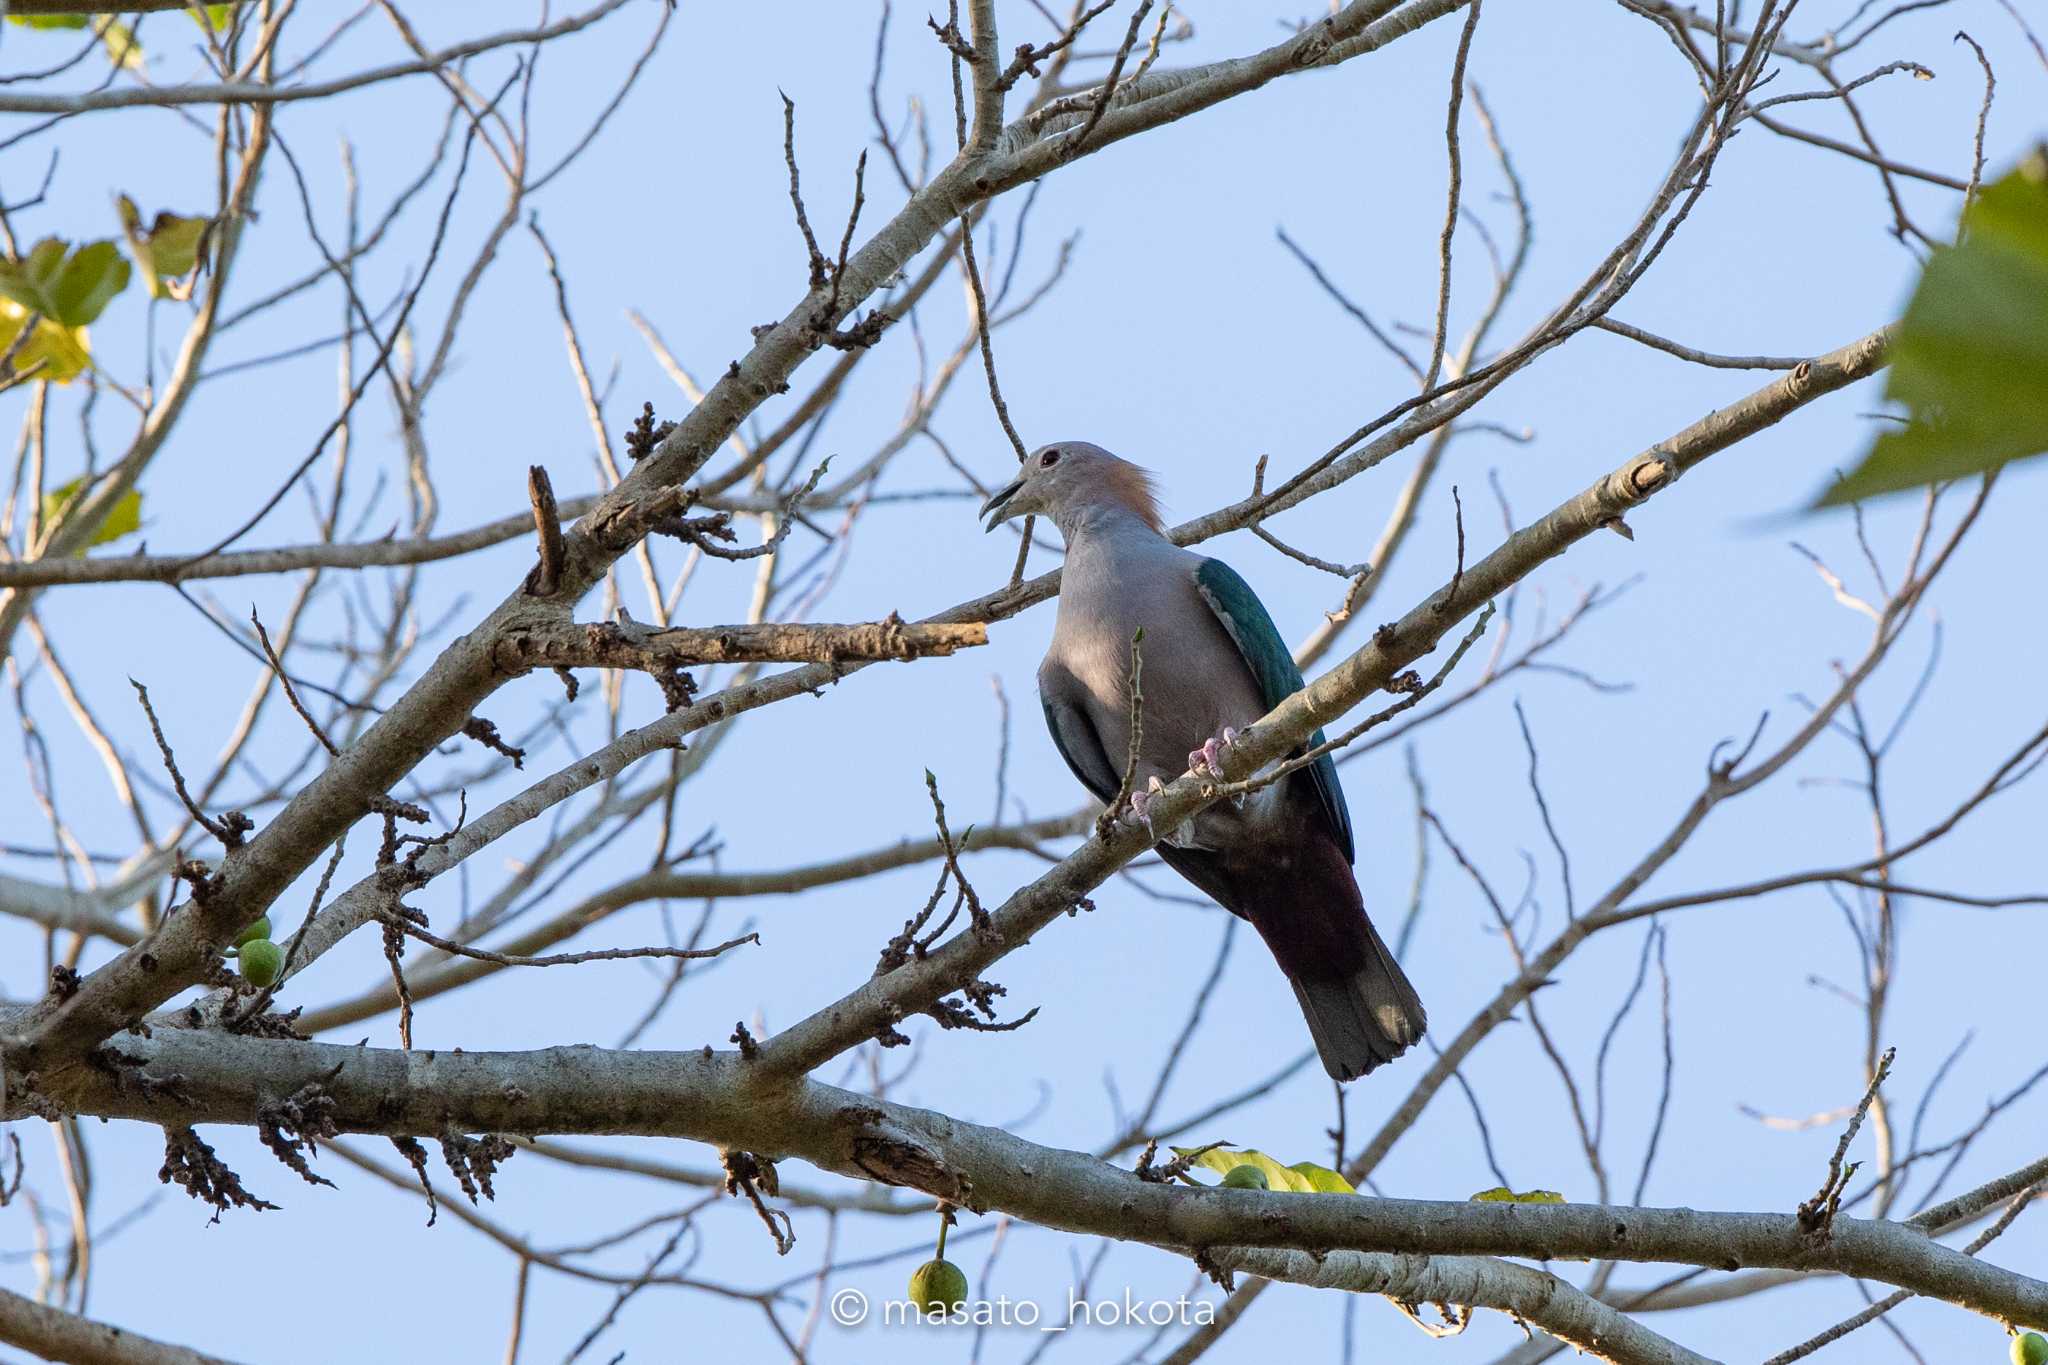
191,1164
1224,1279
486,734
752,1175
547,574
644,435
416,1156
292,1127
749,1049
472,1161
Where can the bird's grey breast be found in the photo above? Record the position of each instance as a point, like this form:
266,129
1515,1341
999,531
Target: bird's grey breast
1195,681
1108,592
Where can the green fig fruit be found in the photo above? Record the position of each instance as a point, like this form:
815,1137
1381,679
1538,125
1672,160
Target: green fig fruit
262,962
2030,1348
260,929
938,1287
1246,1177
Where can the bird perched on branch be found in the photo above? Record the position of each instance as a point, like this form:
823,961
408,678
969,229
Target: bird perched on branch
1211,662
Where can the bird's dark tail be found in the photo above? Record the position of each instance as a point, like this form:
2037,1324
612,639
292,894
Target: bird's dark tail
1361,1011
1365,1019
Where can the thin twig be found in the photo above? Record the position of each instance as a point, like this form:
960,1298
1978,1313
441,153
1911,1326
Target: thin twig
1817,1214
1457,179
1105,824
434,940
816,257
1073,145
291,693
1357,573
211,826
1983,117
1719,362
1890,1301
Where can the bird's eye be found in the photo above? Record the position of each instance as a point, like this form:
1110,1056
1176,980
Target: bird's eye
1049,459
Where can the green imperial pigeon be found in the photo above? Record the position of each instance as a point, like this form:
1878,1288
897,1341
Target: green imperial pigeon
1280,858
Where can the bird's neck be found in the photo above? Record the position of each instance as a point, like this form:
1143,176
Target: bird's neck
1104,523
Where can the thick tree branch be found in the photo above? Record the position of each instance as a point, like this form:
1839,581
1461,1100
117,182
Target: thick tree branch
719,1097
1562,1309
243,92
368,554
83,912
99,6
603,645
55,1334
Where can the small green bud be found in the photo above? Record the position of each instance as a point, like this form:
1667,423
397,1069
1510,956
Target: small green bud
260,929
262,962
938,1287
1246,1177
2030,1348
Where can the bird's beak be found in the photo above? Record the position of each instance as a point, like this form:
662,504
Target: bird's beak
993,508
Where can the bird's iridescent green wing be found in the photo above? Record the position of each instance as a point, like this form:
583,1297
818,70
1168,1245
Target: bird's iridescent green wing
1272,664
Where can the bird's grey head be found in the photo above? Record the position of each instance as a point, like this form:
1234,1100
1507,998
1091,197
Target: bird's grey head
1070,477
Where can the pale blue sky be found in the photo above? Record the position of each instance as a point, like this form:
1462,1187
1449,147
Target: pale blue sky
1186,339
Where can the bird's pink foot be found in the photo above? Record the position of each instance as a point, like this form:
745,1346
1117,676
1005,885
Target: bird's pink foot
1207,761
1140,800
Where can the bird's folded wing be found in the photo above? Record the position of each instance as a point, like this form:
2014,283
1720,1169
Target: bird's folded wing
1272,664
1074,734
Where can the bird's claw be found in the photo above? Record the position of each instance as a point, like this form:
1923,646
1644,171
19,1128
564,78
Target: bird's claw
1140,800
1207,761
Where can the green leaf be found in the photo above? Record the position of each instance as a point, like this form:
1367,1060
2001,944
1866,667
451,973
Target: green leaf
1970,364
60,352
67,286
27,280
1303,1177
167,250
217,16
92,275
1501,1194
1322,1179
125,518
124,50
